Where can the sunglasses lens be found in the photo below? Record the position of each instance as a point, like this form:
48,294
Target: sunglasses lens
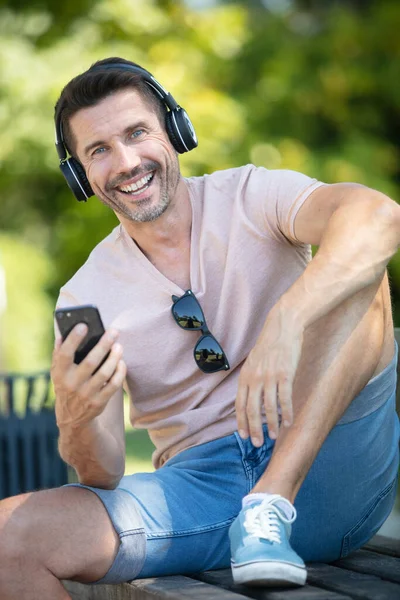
209,355
188,313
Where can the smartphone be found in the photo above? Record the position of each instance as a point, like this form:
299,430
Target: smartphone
68,317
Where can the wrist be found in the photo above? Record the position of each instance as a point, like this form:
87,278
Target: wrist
288,314
76,434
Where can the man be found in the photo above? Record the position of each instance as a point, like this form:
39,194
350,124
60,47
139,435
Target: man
299,355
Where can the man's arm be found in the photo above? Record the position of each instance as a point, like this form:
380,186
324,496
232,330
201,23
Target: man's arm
97,450
89,409
358,231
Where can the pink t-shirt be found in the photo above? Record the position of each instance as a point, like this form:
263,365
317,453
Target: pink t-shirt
244,256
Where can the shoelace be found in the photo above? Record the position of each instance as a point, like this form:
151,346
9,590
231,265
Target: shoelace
263,519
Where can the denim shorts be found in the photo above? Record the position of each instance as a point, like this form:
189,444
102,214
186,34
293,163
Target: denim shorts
176,520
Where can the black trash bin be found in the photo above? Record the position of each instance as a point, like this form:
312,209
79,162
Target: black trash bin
29,458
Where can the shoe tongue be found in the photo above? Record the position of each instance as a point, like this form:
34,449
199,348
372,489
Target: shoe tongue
252,503
284,508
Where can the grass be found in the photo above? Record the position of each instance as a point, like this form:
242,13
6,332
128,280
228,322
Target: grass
138,452
139,448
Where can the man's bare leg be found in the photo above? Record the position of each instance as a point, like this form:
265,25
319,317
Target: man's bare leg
341,352
51,535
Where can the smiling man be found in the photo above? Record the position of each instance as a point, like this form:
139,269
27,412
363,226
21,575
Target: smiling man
265,379
121,136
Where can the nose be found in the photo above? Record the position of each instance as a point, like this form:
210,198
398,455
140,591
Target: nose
126,158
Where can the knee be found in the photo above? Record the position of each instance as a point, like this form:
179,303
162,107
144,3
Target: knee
14,530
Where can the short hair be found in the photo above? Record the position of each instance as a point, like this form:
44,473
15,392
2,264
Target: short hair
95,84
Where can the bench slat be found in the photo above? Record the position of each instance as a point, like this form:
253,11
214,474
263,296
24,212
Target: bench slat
223,578
174,587
355,585
179,587
365,561
80,591
384,545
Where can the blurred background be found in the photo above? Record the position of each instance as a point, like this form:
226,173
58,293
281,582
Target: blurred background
309,85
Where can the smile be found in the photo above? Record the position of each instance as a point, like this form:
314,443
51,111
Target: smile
138,187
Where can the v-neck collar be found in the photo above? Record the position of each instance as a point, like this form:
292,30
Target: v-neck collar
146,264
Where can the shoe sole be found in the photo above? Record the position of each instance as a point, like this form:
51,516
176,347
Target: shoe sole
268,574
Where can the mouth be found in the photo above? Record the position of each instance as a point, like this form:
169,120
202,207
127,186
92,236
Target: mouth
139,187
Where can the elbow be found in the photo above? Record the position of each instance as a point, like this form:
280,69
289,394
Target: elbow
387,213
383,215
100,483
102,477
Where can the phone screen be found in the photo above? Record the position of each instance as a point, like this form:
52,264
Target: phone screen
68,318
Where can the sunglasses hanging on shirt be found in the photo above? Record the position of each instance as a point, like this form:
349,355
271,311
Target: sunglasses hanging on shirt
188,314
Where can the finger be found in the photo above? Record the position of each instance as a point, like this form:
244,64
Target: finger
115,383
285,400
57,345
94,387
94,358
271,411
107,369
240,405
65,352
254,403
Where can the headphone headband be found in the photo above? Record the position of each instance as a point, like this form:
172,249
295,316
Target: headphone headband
165,96
178,125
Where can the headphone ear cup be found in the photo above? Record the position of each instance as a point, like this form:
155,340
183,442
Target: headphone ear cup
76,178
180,130
173,134
185,128
83,180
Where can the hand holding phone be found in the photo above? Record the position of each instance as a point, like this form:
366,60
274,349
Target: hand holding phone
84,390
68,318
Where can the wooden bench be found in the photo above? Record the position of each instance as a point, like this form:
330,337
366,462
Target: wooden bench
371,573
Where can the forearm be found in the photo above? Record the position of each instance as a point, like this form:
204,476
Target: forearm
357,233
359,241
94,453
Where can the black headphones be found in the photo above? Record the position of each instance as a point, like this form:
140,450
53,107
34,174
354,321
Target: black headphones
178,125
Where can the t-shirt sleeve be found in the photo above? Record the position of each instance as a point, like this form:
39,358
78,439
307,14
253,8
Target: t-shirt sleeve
277,195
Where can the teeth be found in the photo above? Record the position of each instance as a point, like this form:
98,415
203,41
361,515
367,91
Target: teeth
136,186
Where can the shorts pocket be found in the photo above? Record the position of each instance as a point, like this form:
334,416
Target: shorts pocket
371,521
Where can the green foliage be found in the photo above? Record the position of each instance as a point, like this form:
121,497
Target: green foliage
26,334
312,89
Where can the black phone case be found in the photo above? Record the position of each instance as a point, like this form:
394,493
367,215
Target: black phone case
68,317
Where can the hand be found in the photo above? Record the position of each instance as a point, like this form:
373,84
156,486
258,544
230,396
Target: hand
267,378
81,394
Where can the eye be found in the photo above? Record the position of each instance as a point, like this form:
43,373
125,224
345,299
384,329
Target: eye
99,150
137,133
